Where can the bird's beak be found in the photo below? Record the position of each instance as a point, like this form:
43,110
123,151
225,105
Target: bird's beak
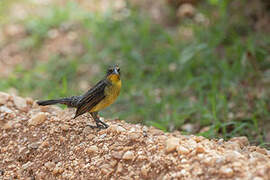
115,71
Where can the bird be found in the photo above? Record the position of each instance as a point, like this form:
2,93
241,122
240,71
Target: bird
100,96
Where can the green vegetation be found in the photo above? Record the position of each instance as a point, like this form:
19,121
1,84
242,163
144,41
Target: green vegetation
215,80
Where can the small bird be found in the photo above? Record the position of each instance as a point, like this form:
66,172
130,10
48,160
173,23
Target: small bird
103,94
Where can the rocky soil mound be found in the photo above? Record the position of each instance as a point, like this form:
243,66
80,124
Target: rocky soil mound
46,143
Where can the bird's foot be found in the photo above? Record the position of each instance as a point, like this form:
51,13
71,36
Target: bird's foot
99,125
102,124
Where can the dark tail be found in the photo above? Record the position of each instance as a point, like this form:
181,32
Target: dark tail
49,102
70,101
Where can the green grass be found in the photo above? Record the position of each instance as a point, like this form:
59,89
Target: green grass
209,85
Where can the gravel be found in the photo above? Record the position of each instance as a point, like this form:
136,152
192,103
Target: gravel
47,143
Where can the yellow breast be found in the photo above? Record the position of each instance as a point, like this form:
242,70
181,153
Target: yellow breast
111,93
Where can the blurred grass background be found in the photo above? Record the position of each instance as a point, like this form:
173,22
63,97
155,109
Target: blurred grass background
201,67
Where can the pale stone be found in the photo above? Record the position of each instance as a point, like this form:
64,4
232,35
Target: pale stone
242,141
232,145
27,165
171,144
20,103
37,119
116,129
120,129
3,98
34,145
183,172
192,144
4,109
237,164
134,136
227,172
182,150
102,136
92,149
129,155
49,165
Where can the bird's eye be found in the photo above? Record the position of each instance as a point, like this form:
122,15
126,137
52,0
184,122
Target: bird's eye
118,70
109,71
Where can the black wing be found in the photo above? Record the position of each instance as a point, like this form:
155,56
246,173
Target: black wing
91,98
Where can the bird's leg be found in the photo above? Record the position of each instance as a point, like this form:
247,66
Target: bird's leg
99,123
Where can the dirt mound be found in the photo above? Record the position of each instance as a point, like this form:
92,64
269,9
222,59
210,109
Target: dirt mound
46,143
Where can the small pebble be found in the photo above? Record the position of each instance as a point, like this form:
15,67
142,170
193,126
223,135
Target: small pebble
20,103
37,119
182,150
49,165
92,149
129,155
116,129
171,144
227,172
3,98
27,165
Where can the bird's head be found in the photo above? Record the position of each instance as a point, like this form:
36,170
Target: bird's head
113,73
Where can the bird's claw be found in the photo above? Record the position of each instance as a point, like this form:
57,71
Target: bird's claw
99,126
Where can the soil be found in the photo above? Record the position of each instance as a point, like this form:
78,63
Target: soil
47,143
